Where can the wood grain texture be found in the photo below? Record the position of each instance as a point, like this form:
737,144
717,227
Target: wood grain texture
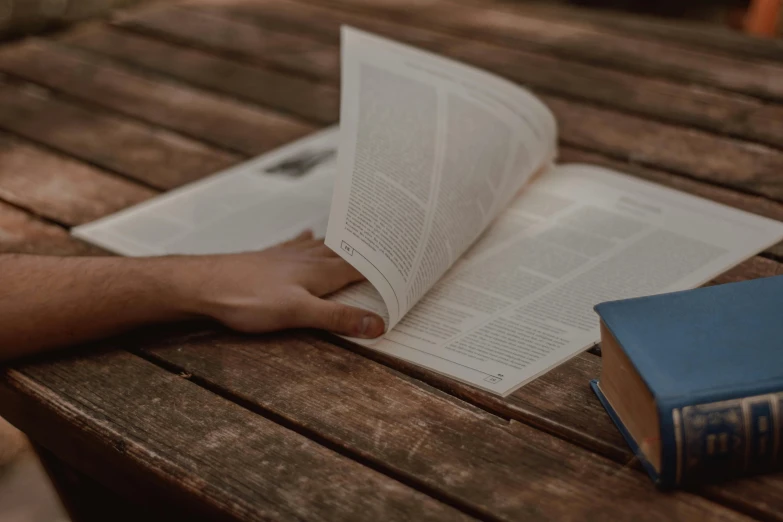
21,233
294,356
745,166
698,106
198,30
288,370
542,469
688,105
154,156
205,116
300,97
60,188
690,33
623,149
716,159
757,78
236,38
558,401
463,454
561,402
142,429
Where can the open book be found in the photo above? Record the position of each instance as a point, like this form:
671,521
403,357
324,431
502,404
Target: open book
440,186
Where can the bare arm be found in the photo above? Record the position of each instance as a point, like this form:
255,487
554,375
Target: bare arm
49,302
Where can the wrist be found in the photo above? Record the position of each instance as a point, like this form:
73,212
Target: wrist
181,280
169,287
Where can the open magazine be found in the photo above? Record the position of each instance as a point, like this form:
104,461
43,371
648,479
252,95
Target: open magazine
484,256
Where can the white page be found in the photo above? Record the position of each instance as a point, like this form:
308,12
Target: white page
521,301
431,151
251,206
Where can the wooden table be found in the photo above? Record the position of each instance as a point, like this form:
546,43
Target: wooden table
203,423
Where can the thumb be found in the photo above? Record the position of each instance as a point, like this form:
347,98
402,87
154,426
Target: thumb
339,318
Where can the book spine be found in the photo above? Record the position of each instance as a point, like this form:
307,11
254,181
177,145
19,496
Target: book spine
727,439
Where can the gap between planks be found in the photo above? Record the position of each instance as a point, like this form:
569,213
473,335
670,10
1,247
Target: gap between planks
600,157
736,106
179,371
410,481
9,78
616,156
150,23
739,144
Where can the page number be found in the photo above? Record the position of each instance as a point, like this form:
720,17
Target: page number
348,249
492,379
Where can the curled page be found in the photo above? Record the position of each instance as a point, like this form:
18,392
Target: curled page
431,151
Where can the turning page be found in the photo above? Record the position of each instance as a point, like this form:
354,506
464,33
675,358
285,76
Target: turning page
431,151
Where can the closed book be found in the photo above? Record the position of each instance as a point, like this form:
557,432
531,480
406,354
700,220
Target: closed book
694,380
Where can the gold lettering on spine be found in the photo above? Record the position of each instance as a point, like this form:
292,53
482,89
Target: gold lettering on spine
773,403
676,420
745,405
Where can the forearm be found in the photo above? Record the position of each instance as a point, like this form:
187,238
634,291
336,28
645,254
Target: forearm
48,302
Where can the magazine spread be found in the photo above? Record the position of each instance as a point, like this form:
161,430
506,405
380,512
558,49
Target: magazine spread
485,258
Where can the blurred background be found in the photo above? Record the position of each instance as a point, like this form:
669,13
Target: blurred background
758,17
20,17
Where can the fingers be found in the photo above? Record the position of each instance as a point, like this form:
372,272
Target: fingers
329,275
306,235
313,312
314,247
321,250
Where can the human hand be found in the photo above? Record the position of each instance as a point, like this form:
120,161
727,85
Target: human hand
278,288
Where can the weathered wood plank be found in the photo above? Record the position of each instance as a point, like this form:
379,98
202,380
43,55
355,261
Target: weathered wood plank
216,119
560,392
297,354
158,158
301,97
703,107
565,400
236,39
561,402
661,100
689,33
748,167
59,188
23,234
753,77
747,202
142,429
509,473
443,445
195,27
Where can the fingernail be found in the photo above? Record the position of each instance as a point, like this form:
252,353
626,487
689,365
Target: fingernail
371,325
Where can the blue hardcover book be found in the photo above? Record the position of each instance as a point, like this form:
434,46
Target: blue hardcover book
694,380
